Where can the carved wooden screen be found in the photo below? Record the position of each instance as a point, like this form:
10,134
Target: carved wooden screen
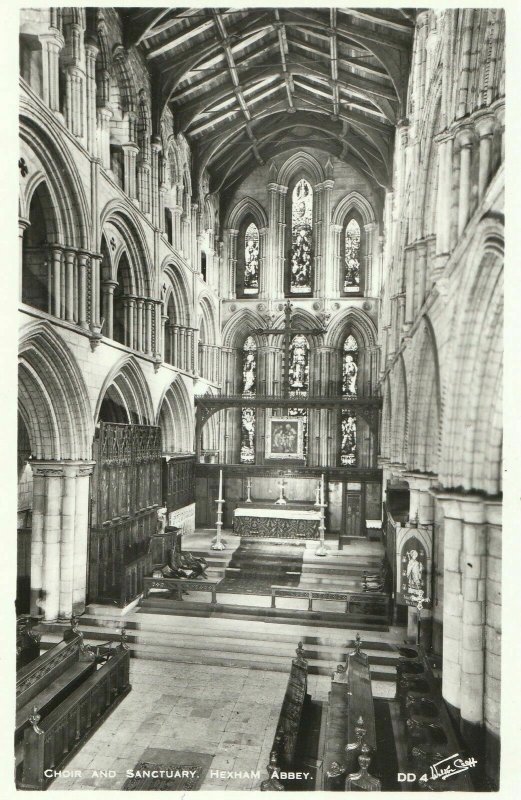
178,482
125,498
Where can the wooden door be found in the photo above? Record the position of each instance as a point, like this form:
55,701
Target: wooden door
353,513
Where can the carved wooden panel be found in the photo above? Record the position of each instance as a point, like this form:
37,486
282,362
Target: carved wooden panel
126,495
178,482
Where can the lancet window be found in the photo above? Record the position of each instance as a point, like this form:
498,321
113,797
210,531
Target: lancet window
249,389
352,243
301,254
298,376
348,427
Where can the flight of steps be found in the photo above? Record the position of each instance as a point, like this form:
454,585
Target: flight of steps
227,642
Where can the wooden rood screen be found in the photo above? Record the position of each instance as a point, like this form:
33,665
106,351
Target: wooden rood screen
125,498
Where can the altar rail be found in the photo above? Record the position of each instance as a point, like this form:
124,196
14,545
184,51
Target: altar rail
51,743
176,586
372,605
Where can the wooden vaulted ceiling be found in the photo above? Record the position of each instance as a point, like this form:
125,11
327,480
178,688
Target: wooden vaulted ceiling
246,84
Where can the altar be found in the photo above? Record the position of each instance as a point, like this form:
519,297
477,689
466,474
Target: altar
268,520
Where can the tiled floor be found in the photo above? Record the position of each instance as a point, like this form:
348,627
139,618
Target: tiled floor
231,713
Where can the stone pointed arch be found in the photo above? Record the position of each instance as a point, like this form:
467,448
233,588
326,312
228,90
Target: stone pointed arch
175,416
128,224
175,292
471,453
248,206
240,326
208,328
425,404
127,382
356,320
62,179
303,163
398,444
354,201
52,397
385,439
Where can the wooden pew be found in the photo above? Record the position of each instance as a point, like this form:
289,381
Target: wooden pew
284,750
350,725
27,641
61,698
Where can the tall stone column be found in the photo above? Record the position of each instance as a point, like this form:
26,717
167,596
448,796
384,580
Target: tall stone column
231,249
56,259
444,200
140,328
70,264
130,152
108,307
91,51
337,283
149,311
421,273
270,279
157,221
52,43
465,138
131,335
328,283
83,259
104,117
485,128
176,227
164,334
94,292
81,532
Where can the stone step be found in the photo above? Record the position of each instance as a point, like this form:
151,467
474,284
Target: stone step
285,615
152,635
221,627
235,652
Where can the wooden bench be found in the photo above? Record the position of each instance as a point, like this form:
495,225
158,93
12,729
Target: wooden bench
374,606
284,749
350,722
177,585
49,687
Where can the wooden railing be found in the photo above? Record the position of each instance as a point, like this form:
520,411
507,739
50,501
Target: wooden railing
51,743
372,605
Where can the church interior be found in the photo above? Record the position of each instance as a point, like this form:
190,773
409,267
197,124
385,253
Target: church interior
260,398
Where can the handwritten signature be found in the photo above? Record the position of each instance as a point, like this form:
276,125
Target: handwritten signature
447,767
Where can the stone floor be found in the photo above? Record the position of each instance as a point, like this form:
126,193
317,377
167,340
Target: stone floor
224,711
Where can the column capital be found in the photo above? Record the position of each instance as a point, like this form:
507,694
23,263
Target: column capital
61,469
23,224
129,147
485,123
457,505
110,284
465,136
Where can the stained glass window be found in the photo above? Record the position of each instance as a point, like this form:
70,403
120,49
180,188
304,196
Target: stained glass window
301,238
249,388
349,389
298,365
348,444
350,367
298,374
352,257
251,259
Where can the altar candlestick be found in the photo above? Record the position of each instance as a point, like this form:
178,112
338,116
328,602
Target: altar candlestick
322,550
217,542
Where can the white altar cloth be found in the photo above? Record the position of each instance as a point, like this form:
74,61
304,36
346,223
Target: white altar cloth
279,512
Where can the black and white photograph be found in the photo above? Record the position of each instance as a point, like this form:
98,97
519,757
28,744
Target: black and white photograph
259,326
